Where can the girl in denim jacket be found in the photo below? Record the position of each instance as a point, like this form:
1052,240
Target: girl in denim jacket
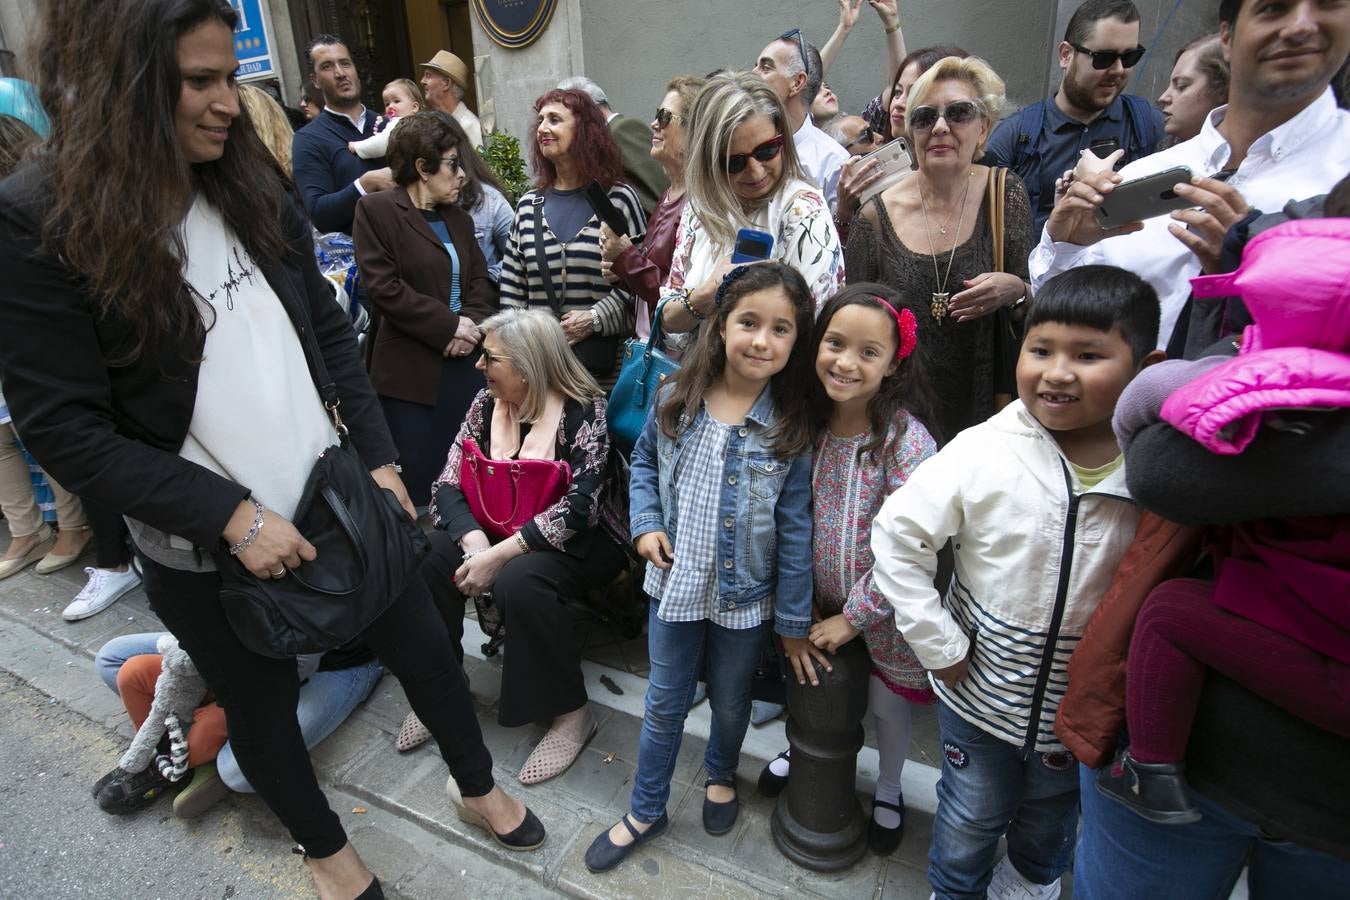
720,509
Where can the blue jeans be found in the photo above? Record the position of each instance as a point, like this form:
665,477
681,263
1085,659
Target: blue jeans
678,651
1122,856
326,698
988,789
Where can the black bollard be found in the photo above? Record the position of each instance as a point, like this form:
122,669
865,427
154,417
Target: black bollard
818,822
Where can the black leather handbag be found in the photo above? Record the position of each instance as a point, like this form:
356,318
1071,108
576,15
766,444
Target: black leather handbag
368,551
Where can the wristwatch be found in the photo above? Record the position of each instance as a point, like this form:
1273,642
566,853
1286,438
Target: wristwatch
595,321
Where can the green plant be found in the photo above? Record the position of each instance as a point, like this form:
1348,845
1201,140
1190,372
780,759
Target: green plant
502,153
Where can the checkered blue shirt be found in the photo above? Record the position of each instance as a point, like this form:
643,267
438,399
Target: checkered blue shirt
688,591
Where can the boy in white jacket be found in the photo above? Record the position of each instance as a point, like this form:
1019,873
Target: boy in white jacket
1035,505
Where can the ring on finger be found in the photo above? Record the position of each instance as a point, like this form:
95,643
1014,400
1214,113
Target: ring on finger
279,573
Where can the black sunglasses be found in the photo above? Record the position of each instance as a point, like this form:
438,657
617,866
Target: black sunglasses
664,117
1105,59
796,36
864,136
766,151
924,118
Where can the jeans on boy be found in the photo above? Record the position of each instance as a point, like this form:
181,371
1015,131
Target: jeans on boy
326,698
1122,856
990,788
678,651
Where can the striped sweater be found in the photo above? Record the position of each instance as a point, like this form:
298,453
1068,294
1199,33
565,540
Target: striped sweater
575,266
1034,551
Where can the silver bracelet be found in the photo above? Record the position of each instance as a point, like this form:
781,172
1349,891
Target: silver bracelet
391,465
253,532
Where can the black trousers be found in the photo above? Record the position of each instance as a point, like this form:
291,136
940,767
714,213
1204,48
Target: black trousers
423,434
259,696
111,546
537,593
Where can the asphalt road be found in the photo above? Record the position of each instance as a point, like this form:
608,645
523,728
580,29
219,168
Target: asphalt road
56,843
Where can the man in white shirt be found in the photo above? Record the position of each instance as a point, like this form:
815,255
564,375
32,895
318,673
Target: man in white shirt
1281,137
792,67
445,78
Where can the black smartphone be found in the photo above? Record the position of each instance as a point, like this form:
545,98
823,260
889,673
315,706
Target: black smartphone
603,207
1104,147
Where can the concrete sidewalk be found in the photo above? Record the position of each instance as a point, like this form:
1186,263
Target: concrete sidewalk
359,760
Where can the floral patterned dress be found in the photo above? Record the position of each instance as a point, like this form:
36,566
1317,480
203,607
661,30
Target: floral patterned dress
849,489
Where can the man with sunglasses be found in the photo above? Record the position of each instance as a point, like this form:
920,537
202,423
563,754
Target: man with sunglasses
792,68
1100,49
1280,138
854,134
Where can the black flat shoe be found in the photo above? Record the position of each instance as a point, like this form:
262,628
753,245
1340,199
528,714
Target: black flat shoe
719,818
770,784
881,839
603,854
1154,791
373,891
104,782
129,792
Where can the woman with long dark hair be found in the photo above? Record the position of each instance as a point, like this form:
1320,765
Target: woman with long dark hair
553,261
171,275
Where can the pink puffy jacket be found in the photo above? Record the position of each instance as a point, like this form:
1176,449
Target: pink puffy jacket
1295,281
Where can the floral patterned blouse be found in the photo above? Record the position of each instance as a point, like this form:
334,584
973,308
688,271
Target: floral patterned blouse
596,498
804,237
848,492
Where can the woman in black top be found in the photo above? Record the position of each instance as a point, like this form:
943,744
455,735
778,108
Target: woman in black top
170,277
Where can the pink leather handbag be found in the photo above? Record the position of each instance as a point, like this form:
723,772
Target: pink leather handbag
504,494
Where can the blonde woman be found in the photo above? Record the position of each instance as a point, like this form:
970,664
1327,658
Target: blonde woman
1198,84
931,238
741,171
540,403
270,122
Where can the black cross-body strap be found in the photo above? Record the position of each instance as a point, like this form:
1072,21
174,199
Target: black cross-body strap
541,259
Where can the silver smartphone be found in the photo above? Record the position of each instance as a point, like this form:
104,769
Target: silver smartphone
1144,198
896,163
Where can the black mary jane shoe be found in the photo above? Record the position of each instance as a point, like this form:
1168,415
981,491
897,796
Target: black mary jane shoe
719,818
881,839
1154,791
771,784
603,854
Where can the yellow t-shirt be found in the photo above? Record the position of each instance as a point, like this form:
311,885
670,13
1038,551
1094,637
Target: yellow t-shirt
1090,478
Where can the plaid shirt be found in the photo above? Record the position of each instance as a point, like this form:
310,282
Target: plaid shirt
688,591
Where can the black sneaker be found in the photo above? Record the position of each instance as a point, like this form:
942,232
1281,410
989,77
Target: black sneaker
130,792
1155,791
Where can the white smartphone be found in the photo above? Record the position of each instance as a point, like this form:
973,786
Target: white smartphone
896,163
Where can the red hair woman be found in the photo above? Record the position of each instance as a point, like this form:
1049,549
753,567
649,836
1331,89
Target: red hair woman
553,259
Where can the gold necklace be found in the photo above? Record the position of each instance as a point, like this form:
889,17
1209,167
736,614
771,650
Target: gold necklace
941,297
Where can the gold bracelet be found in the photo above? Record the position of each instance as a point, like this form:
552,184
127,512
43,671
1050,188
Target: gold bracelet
520,541
894,28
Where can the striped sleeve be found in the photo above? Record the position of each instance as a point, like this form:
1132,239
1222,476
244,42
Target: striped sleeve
514,286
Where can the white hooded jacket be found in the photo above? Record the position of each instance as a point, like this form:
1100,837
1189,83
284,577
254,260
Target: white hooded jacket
1033,555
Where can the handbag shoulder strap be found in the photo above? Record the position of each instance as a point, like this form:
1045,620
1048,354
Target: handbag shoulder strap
541,258
998,177
318,370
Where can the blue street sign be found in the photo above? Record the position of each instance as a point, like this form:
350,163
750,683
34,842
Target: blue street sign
250,40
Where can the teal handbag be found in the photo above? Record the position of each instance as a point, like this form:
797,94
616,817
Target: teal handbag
643,369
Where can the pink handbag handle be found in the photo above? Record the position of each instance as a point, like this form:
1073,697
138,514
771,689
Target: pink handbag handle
515,493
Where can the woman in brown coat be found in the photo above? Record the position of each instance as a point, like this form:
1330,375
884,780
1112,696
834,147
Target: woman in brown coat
428,286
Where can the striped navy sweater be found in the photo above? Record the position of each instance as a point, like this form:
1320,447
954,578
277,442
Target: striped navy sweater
574,267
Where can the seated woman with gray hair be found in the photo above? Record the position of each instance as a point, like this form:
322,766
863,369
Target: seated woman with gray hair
540,404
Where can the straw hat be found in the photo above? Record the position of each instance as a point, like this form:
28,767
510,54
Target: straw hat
451,66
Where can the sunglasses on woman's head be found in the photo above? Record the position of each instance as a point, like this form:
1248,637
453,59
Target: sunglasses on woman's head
1105,59
664,117
959,113
766,151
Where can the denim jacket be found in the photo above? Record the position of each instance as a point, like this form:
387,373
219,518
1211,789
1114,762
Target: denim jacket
764,547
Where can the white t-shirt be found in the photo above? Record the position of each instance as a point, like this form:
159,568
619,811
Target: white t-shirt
258,419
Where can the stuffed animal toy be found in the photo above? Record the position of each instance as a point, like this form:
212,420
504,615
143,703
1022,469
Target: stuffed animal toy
143,772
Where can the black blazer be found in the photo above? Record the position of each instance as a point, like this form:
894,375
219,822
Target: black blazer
406,274
111,432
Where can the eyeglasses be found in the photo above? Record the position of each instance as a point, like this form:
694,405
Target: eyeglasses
452,162
766,151
924,118
489,357
664,117
797,37
1105,59
864,136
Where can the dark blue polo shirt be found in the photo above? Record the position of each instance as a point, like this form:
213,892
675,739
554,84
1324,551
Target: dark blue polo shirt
1040,142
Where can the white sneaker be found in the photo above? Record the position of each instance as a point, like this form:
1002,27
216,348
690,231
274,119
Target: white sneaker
104,588
1008,884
